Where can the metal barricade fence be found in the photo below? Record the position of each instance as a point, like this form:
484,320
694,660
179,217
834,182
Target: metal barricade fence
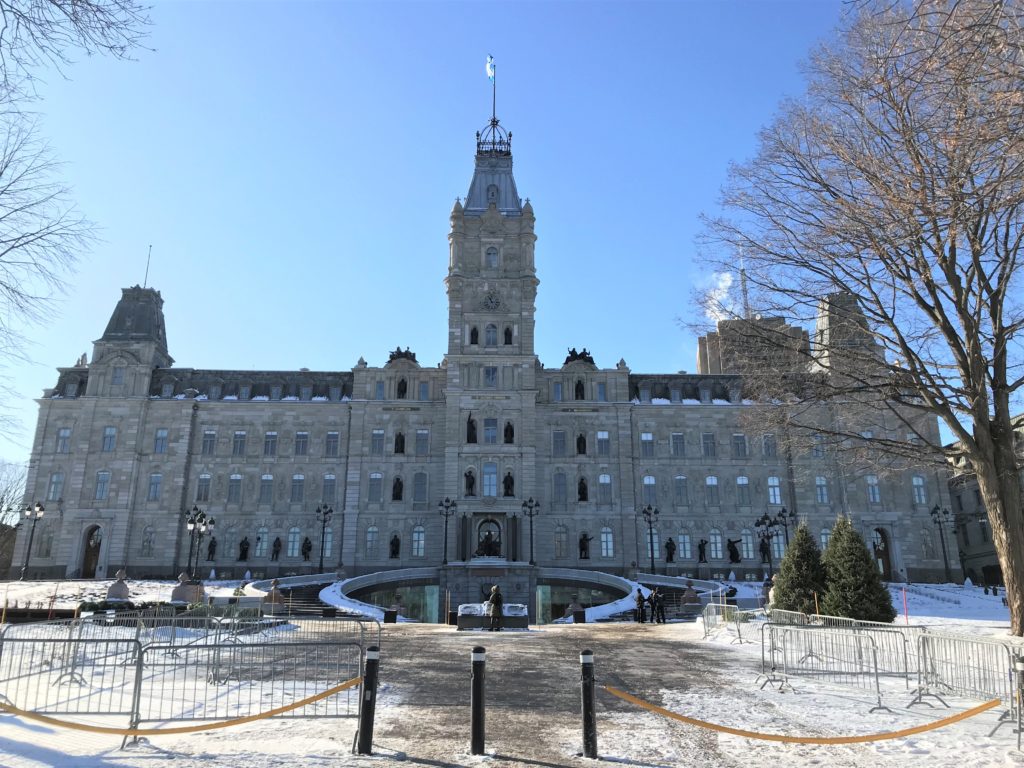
835,656
777,616
967,666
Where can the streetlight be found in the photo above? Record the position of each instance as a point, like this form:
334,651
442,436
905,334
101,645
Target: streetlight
446,509
531,509
767,526
34,514
197,524
650,517
784,518
323,516
939,517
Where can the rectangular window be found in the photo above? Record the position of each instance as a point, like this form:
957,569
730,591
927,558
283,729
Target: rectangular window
301,443
739,446
275,392
707,444
604,444
769,447
154,488
298,489
559,490
650,490
558,443
375,491
102,486
244,392
818,447
167,390
602,392
821,490
160,441
418,541
556,391
678,444
109,439
55,489
604,489
647,444
117,375
774,491
424,390
331,443
681,490
645,394
209,443
270,444
490,479
490,431
334,393
711,491
305,393
330,491
238,444
918,489
491,376
214,392
377,442
266,489
63,440
203,488
235,489
422,442
378,391
419,488
742,491
607,543
874,495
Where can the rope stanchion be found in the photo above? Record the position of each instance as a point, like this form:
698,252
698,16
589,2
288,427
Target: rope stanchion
184,728
804,739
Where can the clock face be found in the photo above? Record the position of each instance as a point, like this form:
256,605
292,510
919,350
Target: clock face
492,301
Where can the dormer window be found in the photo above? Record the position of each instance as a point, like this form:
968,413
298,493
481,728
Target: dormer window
491,258
117,375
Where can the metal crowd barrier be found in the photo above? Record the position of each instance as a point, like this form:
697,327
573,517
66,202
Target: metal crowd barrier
716,615
840,657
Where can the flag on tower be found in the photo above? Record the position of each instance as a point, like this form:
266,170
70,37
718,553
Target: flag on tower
490,68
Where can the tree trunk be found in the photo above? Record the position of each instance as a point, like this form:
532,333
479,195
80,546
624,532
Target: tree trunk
999,484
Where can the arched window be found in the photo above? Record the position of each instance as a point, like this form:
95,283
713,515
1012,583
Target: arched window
474,335
604,489
372,540
747,544
607,543
262,536
650,490
715,544
561,541
146,547
293,541
375,492
826,534
419,541
711,491
508,335
682,493
491,335
491,258
685,548
298,488
743,491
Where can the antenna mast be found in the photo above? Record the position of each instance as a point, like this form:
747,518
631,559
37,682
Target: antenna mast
145,280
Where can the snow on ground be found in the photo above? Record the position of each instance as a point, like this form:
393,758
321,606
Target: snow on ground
634,738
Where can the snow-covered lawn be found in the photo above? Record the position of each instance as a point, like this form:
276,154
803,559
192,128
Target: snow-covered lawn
629,737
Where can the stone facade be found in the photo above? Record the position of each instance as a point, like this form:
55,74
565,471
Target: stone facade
127,444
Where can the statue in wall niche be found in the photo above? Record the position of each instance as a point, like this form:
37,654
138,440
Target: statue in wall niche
670,550
510,433
275,549
395,547
399,442
579,389
585,546
307,548
470,483
243,548
402,389
509,485
396,490
734,552
470,429
702,551
581,444
581,489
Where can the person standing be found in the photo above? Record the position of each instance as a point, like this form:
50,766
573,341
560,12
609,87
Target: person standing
657,602
494,608
641,606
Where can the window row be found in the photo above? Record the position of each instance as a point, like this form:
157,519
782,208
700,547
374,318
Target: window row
375,488
259,393
295,489
490,336
300,443
420,446
372,542
108,440
579,391
402,390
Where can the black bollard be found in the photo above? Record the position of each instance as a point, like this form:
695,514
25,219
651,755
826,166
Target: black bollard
587,704
476,701
367,702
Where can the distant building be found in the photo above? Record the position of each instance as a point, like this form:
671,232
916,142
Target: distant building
128,443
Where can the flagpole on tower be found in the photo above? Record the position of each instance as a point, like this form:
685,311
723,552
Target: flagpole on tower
492,76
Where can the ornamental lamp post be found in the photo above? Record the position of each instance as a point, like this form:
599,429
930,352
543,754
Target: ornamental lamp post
323,516
767,526
446,509
784,518
940,517
531,509
197,524
650,515
34,514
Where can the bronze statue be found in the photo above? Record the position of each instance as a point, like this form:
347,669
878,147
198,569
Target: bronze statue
470,429
395,546
510,433
702,551
470,483
670,550
396,489
509,485
243,548
581,489
585,546
734,552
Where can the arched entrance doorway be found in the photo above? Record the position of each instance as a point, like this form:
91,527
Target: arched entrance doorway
488,539
880,550
91,551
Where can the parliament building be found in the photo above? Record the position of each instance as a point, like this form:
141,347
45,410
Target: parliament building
489,456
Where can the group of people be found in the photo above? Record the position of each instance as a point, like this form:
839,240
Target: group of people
655,600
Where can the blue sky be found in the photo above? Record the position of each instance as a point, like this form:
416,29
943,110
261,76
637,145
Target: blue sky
293,166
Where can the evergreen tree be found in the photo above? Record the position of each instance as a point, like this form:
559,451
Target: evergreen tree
853,586
800,575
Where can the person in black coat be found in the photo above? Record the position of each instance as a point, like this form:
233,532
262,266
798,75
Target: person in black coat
657,601
495,604
641,607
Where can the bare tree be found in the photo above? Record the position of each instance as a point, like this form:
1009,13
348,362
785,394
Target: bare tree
12,495
895,188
